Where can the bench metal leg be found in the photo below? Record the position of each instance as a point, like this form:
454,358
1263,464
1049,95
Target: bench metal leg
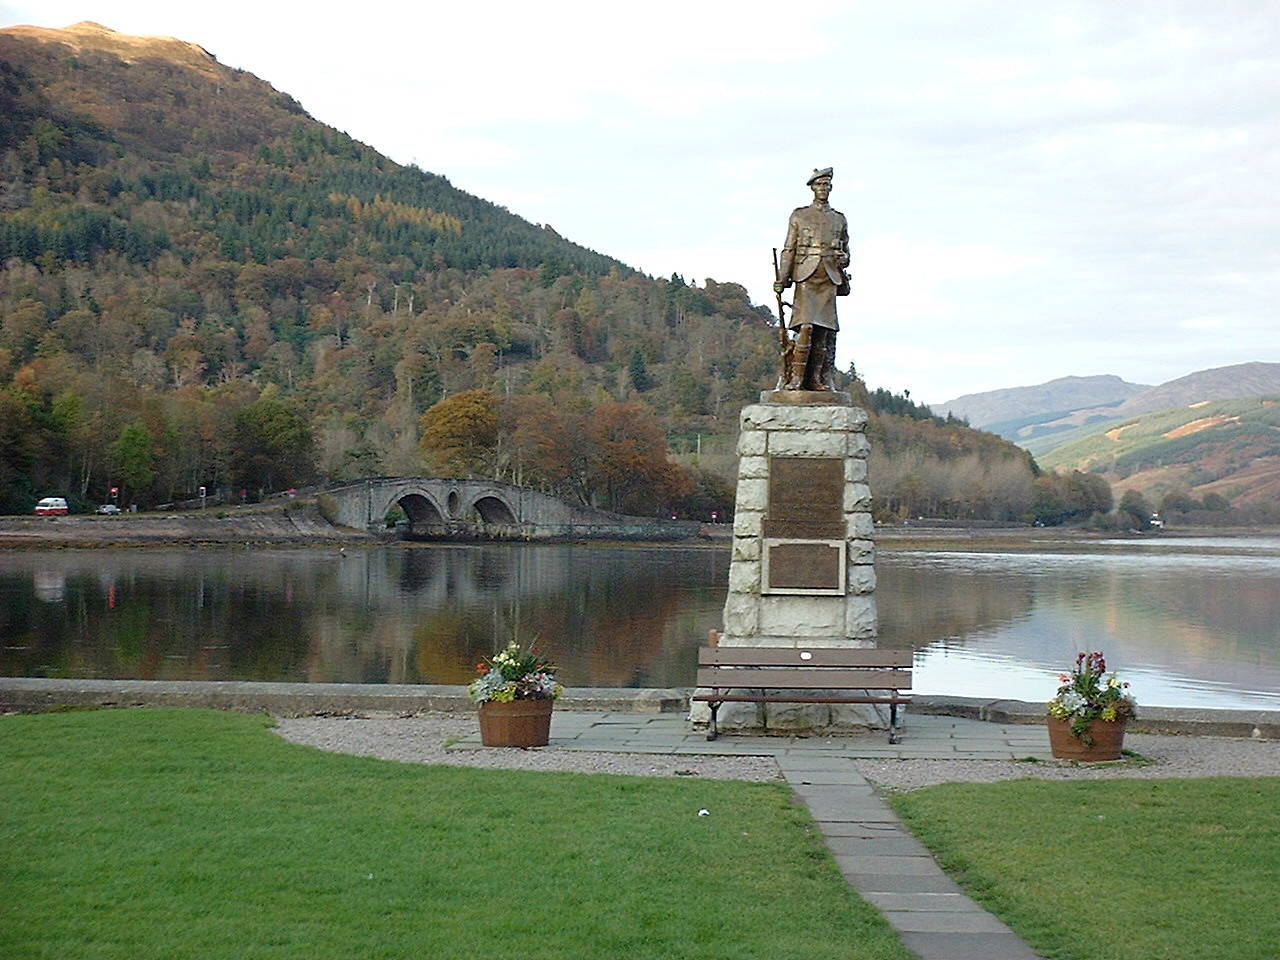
893,723
712,732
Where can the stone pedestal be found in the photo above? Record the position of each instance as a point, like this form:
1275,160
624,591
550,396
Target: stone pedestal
802,572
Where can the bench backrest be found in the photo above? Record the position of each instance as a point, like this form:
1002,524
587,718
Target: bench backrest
787,668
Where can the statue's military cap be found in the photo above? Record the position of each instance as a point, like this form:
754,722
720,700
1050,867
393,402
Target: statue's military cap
824,172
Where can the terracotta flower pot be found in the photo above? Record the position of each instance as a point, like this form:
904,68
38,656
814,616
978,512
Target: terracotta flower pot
520,723
1108,740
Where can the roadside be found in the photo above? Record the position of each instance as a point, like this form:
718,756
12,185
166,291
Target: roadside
293,522
300,522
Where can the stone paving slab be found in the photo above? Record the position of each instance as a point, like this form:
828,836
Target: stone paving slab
867,884
934,921
968,946
887,866
929,902
900,844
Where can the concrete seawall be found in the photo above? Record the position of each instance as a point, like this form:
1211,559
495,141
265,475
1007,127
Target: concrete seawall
35,694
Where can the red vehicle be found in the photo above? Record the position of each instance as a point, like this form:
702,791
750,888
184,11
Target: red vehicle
51,507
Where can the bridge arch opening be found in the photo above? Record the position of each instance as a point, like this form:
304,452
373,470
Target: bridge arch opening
419,509
493,510
452,503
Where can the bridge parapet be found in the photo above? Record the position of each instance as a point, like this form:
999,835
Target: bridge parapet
451,509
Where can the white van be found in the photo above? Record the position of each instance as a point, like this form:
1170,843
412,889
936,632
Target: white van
51,507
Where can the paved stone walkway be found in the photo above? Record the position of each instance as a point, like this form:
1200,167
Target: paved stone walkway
876,854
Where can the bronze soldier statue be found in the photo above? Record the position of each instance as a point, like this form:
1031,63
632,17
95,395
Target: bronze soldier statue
814,258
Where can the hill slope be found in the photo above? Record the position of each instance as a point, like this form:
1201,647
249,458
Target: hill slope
200,285
1217,383
1226,447
1043,400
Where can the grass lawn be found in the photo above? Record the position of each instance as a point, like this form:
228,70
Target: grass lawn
193,834
1120,870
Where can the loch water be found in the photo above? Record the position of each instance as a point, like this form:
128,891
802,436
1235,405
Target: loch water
1189,622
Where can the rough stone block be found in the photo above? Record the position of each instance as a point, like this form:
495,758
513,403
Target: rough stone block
855,469
797,716
741,615
746,548
860,616
857,497
756,639
867,716
838,642
699,713
739,716
860,551
747,523
752,495
799,444
770,416
801,616
860,579
753,468
751,443
744,577
858,446
858,526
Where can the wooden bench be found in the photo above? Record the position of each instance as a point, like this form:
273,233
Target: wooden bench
782,674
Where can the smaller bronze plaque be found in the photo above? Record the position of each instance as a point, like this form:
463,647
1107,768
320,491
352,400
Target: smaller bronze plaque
797,566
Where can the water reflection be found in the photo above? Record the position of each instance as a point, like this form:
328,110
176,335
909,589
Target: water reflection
1187,626
1185,629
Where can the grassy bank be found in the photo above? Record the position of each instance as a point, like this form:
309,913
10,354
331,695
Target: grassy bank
166,833
1125,870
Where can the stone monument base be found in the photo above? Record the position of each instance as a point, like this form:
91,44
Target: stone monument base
792,719
802,572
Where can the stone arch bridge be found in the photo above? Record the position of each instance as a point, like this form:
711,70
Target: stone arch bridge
442,508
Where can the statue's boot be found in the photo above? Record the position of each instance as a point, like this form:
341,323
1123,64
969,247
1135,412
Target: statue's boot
799,364
826,378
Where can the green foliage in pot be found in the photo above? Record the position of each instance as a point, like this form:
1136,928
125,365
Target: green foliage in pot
1088,694
515,674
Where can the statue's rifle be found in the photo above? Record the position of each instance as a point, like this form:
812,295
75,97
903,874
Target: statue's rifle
784,341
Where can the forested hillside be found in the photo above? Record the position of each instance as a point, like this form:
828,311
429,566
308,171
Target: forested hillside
200,285
1207,458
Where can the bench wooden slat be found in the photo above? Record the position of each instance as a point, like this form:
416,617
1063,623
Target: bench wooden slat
832,678
818,657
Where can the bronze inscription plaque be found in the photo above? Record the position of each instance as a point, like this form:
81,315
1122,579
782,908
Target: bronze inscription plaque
806,498
805,567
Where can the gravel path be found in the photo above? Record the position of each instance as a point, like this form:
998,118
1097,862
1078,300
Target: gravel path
422,739
1170,756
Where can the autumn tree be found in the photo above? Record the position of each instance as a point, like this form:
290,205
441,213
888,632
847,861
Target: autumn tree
272,445
460,434
133,462
630,463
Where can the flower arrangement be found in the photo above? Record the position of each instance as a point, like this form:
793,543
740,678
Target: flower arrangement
515,674
1088,694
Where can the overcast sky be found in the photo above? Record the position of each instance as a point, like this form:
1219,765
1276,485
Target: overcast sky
1034,190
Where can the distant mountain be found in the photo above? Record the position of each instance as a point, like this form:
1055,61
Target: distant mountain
1218,383
1006,411
1230,448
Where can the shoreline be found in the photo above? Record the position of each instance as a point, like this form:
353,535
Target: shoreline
299,523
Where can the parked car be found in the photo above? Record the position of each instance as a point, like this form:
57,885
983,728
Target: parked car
110,509
51,507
